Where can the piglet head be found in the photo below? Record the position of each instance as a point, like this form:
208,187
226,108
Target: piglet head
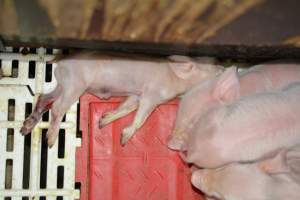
193,71
192,105
200,99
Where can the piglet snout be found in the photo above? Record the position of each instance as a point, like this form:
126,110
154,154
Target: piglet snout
175,143
200,180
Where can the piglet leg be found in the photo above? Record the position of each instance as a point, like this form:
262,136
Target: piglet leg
59,108
146,106
128,106
43,104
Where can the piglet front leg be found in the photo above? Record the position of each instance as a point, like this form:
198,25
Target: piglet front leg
146,106
128,106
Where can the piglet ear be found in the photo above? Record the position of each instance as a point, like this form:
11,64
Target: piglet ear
227,87
276,165
183,70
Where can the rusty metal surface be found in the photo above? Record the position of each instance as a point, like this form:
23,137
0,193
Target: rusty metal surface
147,23
273,22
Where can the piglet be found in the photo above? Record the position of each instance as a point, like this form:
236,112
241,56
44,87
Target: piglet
270,179
203,97
146,83
246,129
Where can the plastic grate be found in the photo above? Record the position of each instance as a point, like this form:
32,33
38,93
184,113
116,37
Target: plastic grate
27,167
144,169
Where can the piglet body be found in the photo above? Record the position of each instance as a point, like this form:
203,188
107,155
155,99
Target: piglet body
147,83
202,98
251,128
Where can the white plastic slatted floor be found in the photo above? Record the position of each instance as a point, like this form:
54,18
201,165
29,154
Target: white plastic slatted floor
29,170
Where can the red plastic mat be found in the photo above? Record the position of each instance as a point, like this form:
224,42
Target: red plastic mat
144,169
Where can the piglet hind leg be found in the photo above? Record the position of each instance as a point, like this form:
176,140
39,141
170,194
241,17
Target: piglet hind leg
146,106
59,108
43,104
128,106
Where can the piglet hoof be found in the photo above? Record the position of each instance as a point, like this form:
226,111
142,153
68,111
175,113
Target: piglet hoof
51,136
28,125
106,119
102,123
24,130
107,114
50,144
50,141
124,140
126,135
